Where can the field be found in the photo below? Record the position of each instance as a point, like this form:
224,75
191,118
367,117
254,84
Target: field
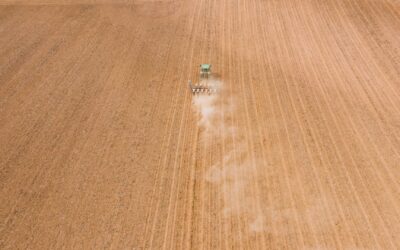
102,144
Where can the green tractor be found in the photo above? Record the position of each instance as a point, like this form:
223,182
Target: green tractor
205,70
203,87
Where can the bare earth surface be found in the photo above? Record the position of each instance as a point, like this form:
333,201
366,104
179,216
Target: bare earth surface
102,144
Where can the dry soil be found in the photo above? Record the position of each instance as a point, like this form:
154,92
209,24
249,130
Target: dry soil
102,144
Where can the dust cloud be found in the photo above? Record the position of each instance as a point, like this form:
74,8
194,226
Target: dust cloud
205,104
236,170
236,173
208,108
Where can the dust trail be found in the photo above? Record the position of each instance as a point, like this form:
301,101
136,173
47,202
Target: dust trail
207,107
235,171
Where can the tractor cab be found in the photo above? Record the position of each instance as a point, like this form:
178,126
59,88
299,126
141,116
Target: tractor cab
205,70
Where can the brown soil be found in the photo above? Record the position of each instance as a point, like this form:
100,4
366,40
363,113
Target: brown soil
101,146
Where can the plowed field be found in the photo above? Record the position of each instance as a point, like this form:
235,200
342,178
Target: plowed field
103,146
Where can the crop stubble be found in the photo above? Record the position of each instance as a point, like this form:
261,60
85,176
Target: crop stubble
100,144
